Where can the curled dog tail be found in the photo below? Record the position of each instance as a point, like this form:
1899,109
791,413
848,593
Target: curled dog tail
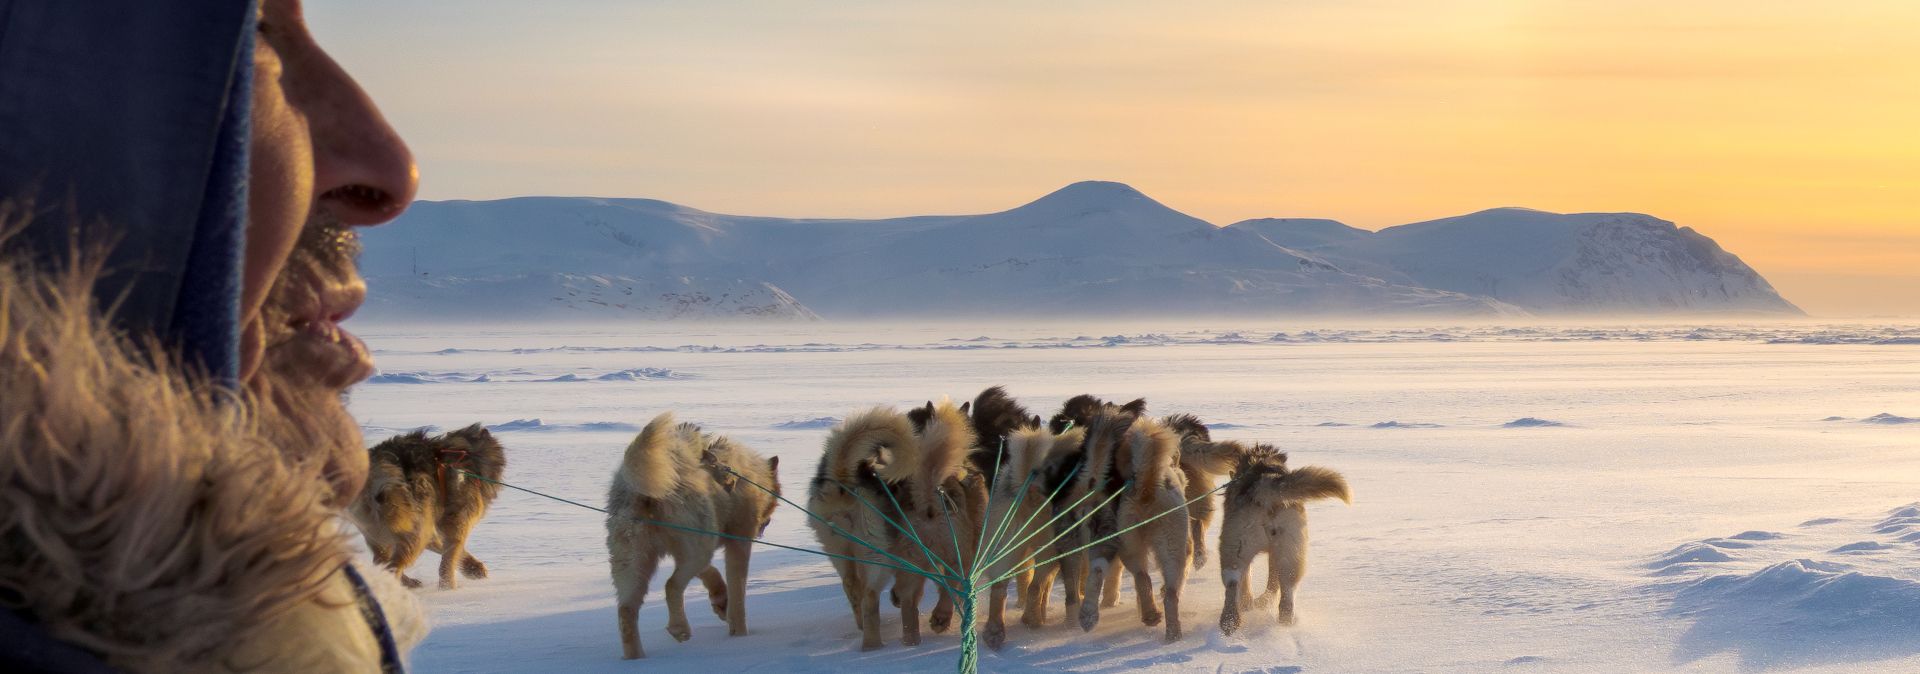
659,456
1027,450
1312,483
1154,449
1212,458
945,441
880,437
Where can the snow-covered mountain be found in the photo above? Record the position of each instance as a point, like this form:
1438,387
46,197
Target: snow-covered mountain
1091,248
1546,262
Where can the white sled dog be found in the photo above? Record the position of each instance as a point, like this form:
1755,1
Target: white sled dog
677,474
1266,513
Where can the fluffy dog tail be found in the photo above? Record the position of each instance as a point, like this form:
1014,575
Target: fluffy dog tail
658,457
1027,450
1312,483
945,441
881,437
1154,450
1213,458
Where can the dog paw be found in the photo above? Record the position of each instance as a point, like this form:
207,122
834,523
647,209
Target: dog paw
473,568
1229,624
410,581
996,636
1263,601
1089,617
1033,618
1199,560
910,639
719,604
940,621
446,583
1173,632
871,645
1150,618
1285,619
679,631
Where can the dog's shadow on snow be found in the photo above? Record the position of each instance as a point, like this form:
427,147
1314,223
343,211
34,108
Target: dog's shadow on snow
803,629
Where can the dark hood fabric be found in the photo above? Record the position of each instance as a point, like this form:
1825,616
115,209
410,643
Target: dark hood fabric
125,122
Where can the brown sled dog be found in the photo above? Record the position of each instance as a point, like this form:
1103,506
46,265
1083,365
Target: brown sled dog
1266,513
945,504
1201,459
1124,449
420,496
677,474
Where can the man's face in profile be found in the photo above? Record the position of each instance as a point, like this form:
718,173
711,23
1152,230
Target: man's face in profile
323,161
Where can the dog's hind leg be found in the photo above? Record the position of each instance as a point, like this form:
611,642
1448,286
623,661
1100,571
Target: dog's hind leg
631,573
1136,561
942,616
996,632
1073,584
1171,553
1236,555
453,549
739,553
907,589
716,590
406,551
850,584
1110,593
1289,561
1198,536
1273,582
1039,590
870,609
684,571
1097,571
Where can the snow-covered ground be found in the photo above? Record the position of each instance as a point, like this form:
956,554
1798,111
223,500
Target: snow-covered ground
1527,499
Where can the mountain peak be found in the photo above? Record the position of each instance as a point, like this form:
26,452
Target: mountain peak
1093,194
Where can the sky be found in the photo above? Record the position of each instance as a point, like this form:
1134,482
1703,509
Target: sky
1787,131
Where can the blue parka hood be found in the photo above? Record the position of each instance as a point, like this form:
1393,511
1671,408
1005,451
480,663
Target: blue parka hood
125,122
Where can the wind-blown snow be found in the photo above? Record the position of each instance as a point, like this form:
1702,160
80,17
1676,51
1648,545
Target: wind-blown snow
1469,547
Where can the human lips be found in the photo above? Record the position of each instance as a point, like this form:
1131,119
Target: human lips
335,357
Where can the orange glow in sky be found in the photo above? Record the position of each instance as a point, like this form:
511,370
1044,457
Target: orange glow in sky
1787,131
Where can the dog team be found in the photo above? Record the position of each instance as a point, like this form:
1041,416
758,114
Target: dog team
1063,487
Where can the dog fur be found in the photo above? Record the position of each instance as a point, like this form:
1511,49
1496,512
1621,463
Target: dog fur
418,497
1201,459
945,504
1020,494
1266,513
677,474
863,459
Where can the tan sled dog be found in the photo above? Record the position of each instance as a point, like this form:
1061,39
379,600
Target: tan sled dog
677,474
1266,513
1145,454
945,503
863,458
420,497
1029,451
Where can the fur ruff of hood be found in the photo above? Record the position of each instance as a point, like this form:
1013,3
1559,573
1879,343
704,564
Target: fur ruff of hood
146,517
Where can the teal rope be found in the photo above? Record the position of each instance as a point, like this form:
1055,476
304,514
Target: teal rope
691,530
911,567
1116,534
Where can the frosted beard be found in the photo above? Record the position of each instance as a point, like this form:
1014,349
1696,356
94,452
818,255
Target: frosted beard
302,383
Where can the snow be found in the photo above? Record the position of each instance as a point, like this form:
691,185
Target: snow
1699,516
